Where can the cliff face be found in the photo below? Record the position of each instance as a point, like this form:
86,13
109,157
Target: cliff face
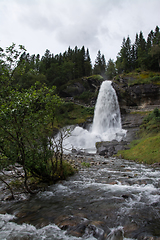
79,86
137,95
85,90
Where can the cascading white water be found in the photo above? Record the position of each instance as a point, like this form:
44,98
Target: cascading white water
107,113
106,123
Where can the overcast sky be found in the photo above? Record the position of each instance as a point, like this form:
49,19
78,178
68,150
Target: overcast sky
58,24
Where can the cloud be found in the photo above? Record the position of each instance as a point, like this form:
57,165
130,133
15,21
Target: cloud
58,24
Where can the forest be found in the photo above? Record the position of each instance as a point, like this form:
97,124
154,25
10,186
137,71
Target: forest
30,104
57,70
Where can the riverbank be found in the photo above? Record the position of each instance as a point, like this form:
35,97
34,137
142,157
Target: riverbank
144,147
108,195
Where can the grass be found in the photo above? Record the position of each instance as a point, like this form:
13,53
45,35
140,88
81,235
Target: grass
146,151
96,77
70,114
141,77
147,148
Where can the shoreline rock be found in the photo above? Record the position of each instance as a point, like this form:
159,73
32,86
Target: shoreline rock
110,148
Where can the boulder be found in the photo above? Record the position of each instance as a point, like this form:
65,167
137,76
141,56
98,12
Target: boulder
109,148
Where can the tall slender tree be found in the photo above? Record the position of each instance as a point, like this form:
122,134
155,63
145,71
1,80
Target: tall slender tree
100,64
110,69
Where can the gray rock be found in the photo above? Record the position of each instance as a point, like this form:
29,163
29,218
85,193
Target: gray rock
109,148
115,234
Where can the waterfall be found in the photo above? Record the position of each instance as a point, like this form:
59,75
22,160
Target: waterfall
107,114
106,123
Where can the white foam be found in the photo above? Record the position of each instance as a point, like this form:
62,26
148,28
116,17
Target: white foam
11,230
106,123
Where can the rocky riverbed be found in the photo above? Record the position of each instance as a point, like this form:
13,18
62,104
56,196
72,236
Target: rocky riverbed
107,196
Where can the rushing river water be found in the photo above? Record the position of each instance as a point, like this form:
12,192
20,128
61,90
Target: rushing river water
111,198
111,194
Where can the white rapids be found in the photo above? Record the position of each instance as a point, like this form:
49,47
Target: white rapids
106,123
123,197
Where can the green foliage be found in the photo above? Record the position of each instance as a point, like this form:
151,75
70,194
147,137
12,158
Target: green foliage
86,96
96,77
141,54
110,69
71,113
100,64
54,171
138,77
60,69
27,120
52,70
146,149
24,120
153,116
67,170
85,164
151,123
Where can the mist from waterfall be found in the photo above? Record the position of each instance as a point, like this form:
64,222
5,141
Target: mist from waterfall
106,123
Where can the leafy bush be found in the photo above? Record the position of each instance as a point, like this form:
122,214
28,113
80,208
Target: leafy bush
153,116
86,96
85,164
155,79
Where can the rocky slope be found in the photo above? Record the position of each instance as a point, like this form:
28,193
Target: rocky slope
137,96
129,96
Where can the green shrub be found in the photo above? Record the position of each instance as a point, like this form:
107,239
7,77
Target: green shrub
153,116
85,164
67,169
86,96
156,79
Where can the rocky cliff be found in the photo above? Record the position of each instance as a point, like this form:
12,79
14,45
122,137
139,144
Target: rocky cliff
137,96
85,90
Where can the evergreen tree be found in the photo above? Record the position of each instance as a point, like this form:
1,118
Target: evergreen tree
46,61
124,58
150,40
87,64
103,67
37,62
81,62
100,64
141,51
110,69
156,38
133,57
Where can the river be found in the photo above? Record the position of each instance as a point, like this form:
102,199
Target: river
109,195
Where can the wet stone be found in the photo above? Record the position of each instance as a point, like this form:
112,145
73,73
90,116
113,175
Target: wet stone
95,199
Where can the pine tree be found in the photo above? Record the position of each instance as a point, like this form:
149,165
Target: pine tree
100,64
87,64
124,58
155,50
110,69
141,51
